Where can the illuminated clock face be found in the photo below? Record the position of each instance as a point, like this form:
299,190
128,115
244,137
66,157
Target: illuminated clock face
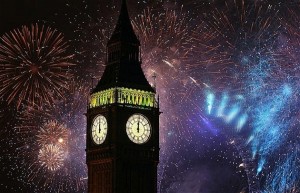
99,129
138,129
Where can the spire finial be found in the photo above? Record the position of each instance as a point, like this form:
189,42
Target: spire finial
154,80
124,9
123,2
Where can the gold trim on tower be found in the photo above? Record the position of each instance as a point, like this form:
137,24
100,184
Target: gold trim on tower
123,96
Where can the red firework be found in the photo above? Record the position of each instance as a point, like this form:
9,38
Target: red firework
34,64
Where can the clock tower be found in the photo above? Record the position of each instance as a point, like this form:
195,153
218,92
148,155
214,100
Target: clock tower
122,141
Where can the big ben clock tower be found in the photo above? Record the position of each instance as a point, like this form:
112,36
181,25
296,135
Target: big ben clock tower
122,145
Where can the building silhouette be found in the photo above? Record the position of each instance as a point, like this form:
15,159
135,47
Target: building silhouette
122,147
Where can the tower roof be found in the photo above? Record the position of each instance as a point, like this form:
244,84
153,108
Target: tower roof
123,65
123,30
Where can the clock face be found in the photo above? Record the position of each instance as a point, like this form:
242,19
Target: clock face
138,129
99,129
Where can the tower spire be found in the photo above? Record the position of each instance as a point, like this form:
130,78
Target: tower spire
124,31
122,139
123,62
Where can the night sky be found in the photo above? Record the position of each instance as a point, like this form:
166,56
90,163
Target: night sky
227,74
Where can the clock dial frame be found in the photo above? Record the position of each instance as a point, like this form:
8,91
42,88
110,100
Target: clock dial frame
99,129
138,129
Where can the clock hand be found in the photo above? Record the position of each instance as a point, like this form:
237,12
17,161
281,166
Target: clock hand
99,128
138,127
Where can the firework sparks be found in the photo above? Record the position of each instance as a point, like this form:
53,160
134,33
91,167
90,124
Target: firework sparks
164,35
91,31
282,178
52,157
241,48
226,44
52,137
52,133
255,54
34,64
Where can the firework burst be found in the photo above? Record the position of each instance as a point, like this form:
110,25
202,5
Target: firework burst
164,36
34,64
51,156
250,49
229,40
51,143
52,133
216,49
